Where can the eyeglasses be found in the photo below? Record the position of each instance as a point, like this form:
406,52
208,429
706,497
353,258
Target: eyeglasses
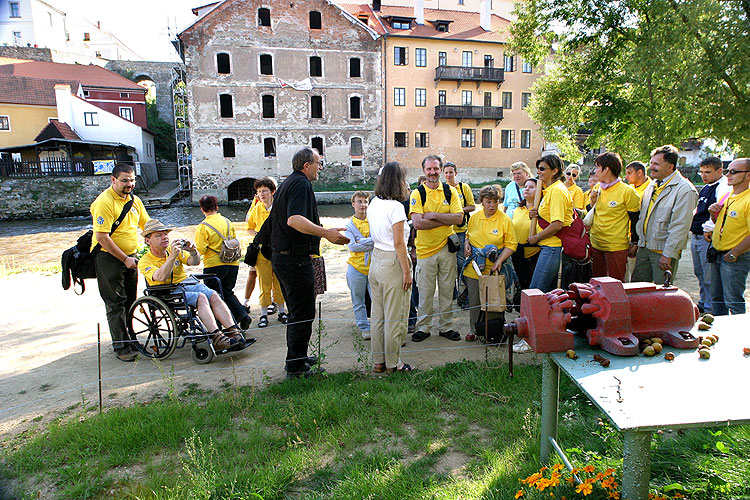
733,171
571,174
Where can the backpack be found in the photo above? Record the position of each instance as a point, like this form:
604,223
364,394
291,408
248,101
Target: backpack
446,191
230,251
576,243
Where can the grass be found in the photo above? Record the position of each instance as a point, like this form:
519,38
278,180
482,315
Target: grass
464,430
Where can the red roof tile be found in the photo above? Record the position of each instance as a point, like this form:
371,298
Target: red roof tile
57,130
24,90
88,75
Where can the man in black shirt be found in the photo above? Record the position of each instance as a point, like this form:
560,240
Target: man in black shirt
295,236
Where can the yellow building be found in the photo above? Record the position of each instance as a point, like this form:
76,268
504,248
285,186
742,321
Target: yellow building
452,89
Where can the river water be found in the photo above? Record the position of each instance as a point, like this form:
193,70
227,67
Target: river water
178,215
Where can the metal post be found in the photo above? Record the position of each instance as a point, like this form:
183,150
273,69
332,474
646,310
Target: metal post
550,392
99,357
636,465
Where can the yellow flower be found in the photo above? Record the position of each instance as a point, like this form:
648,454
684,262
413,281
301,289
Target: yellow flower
584,488
519,494
590,469
557,467
532,478
608,482
554,480
542,484
614,495
609,472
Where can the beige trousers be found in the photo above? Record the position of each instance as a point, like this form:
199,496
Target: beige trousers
439,268
390,308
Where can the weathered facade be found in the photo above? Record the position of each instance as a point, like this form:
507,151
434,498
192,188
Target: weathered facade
266,78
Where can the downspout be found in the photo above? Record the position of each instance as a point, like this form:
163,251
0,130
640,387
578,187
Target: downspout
385,98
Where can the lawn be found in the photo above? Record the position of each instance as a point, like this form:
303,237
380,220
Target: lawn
464,430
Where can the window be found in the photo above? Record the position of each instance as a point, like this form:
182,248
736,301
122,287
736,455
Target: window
460,2
468,137
266,64
400,24
268,106
269,147
488,98
442,59
508,139
15,9
149,149
316,106
223,66
225,106
420,56
442,27
509,63
486,138
315,21
441,97
399,96
227,145
87,37
98,53
124,95
355,68
526,67
420,97
355,108
421,139
525,98
86,93
127,113
355,148
317,144
507,100
400,140
5,122
264,17
525,139
489,61
316,66
466,97
399,56
91,119
16,38
466,59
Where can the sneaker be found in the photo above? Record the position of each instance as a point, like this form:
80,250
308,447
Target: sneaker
521,347
127,356
366,336
419,336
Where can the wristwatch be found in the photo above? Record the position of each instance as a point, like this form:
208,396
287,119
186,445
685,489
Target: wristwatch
732,257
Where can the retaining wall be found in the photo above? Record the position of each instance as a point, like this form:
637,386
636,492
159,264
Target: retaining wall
49,198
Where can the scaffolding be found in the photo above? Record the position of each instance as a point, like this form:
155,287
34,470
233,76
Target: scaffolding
182,130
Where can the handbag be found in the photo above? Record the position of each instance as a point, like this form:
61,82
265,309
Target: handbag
576,242
495,333
230,251
251,254
492,292
454,243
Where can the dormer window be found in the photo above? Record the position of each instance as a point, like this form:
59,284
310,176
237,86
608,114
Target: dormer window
442,28
441,25
400,25
363,18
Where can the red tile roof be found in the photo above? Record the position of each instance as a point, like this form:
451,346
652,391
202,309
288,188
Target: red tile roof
88,75
57,130
24,90
464,25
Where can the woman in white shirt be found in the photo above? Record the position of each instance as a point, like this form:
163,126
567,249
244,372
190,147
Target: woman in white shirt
390,270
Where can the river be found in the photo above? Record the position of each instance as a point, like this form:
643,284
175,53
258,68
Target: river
178,215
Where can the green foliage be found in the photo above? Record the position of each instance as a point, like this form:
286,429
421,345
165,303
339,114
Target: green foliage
638,73
164,140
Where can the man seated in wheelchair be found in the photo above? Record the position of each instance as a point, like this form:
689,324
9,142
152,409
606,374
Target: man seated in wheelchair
164,264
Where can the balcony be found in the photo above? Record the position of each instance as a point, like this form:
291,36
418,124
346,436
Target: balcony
477,74
477,113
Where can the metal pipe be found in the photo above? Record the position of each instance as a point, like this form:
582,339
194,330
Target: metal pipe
550,394
564,458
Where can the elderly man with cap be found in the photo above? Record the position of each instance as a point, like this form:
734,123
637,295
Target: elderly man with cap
164,264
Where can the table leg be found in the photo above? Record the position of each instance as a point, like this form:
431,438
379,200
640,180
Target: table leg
550,396
636,465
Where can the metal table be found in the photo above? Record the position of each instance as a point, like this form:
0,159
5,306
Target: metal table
654,393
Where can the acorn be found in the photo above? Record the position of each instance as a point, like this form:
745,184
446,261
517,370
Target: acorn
657,347
571,354
704,353
656,340
706,342
703,325
649,350
669,356
707,318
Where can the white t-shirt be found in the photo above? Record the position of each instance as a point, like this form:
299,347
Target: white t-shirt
382,215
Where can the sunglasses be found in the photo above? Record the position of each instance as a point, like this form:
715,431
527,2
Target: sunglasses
733,171
541,169
571,174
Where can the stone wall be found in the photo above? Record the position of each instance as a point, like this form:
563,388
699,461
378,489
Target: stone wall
50,197
27,53
158,72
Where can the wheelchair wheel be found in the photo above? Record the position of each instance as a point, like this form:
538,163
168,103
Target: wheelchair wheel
154,327
202,353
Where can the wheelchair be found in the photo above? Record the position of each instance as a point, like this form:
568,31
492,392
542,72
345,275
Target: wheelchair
160,321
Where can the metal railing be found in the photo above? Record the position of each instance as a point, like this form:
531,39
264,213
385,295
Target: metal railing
51,167
471,73
476,112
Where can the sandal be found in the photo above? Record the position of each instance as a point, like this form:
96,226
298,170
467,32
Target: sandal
451,335
283,318
379,368
271,309
263,322
404,368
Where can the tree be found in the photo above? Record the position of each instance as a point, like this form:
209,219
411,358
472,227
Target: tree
638,73
164,141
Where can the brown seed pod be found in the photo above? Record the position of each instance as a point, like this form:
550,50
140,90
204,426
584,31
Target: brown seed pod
657,347
669,356
703,326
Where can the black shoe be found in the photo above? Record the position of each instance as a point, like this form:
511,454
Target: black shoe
306,372
127,356
250,341
451,335
419,336
311,361
245,322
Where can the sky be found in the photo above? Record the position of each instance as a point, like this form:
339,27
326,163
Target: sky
142,25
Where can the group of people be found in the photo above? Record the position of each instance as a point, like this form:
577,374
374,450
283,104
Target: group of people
406,246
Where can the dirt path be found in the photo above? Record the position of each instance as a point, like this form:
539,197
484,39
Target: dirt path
48,348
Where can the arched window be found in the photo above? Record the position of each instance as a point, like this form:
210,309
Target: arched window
355,109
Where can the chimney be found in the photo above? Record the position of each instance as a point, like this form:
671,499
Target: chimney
419,11
376,5
62,99
485,14
98,25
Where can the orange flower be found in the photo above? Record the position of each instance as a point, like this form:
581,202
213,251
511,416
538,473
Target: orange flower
571,480
554,480
519,494
575,470
532,478
542,484
599,476
608,482
543,469
557,467
609,472
590,480
590,469
584,488
614,495
677,494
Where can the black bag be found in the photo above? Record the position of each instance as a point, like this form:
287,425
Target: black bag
712,255
495,327
454,244
251,254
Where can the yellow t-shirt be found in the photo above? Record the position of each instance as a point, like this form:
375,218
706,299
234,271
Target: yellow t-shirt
257,216
730,231
586,198
208,242
611,229
642,188
495,230
150,263
357,259
556,204
466,199
255,202
521,225
431,241
577,194
107,208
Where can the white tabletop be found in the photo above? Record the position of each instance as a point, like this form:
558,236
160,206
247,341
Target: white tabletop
658,394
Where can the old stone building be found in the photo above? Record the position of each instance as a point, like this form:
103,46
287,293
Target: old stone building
266,77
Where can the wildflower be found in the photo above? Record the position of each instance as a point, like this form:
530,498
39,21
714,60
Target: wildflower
554,479
532,479
608,482
590,469
557,467
614,495
609,472
599,476
585,488
543,469
677,494
590,480
575,470
519,494
542,484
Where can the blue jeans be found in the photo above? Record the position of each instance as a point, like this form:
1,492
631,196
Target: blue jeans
358,286
547,267
192,292
728,282
701,269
